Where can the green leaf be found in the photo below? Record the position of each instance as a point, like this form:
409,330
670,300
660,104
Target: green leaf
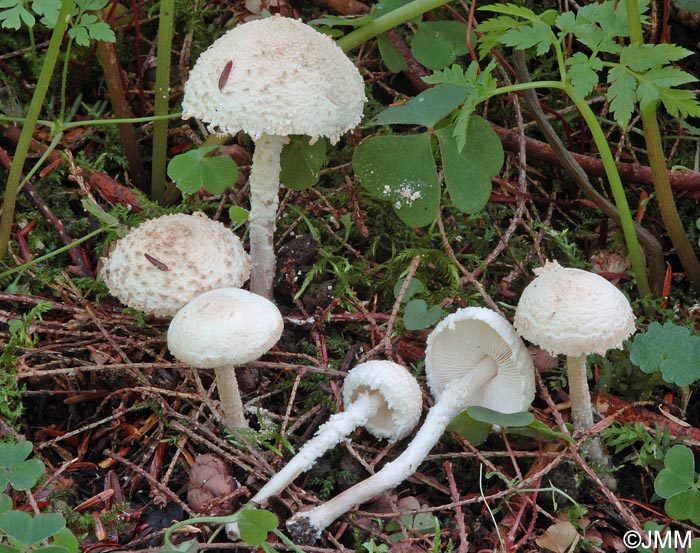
522,37
5,503
678,474
437,44
13,455
426,109
14,13
197,168
238,216
417,315
468,173
670,349
401,170
684,506
255,524
473,430
583,73
656,86
301,162
27,475
391,55
29,530
80,35
504,420
47,10
66,539
642,57
622,94
414,287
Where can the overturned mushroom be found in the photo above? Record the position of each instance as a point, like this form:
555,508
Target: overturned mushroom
223,328
165,262
382,396
273,78
473,357
575,313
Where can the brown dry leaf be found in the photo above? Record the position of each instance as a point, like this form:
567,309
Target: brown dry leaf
559,537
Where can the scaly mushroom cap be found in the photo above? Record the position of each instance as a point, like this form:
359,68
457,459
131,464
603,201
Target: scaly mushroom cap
165,262
226,326
400,391
275,76
473,336
573,312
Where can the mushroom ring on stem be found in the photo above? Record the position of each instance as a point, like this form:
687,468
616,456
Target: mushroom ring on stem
165,262
575,313
473,357
382,396
223,328
272,78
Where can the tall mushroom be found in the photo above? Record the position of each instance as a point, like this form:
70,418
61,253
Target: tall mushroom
223,328
473,357
575,313
382,396
165,262
273,78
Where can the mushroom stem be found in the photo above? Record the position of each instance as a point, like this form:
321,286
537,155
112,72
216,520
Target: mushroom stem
230,396
264,199
307,526
581,407
328,435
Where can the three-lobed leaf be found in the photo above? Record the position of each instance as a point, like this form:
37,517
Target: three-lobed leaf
255,524
197,169
677,484
21,473
437,44
29,530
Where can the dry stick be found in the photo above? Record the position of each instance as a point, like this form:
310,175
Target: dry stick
153,481
454,495
652,248
109,60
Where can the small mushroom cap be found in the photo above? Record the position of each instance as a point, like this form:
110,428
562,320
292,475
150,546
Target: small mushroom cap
275,76
400,391
466,338
573,312
165,262
226,326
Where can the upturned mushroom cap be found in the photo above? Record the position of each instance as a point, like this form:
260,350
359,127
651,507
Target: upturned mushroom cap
470,337
400,392
165,262
275,76
226,326
573,312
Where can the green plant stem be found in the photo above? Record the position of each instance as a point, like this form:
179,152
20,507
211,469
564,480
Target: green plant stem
42,87
160,128
392,19
52,253
657,161
626,221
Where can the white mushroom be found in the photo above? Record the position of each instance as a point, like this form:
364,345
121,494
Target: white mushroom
272,78
165,262
575,313
382,396
223,328
473,357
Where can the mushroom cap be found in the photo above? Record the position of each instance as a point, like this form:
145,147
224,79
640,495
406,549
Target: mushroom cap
226,326
573,312
462,340
400,391
275,76
165,262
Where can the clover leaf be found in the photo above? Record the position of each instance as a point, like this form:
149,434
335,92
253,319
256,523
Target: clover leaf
255,524
677,484
198,168
668,348
21,473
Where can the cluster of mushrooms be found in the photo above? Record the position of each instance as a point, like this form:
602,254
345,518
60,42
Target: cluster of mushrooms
191,269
